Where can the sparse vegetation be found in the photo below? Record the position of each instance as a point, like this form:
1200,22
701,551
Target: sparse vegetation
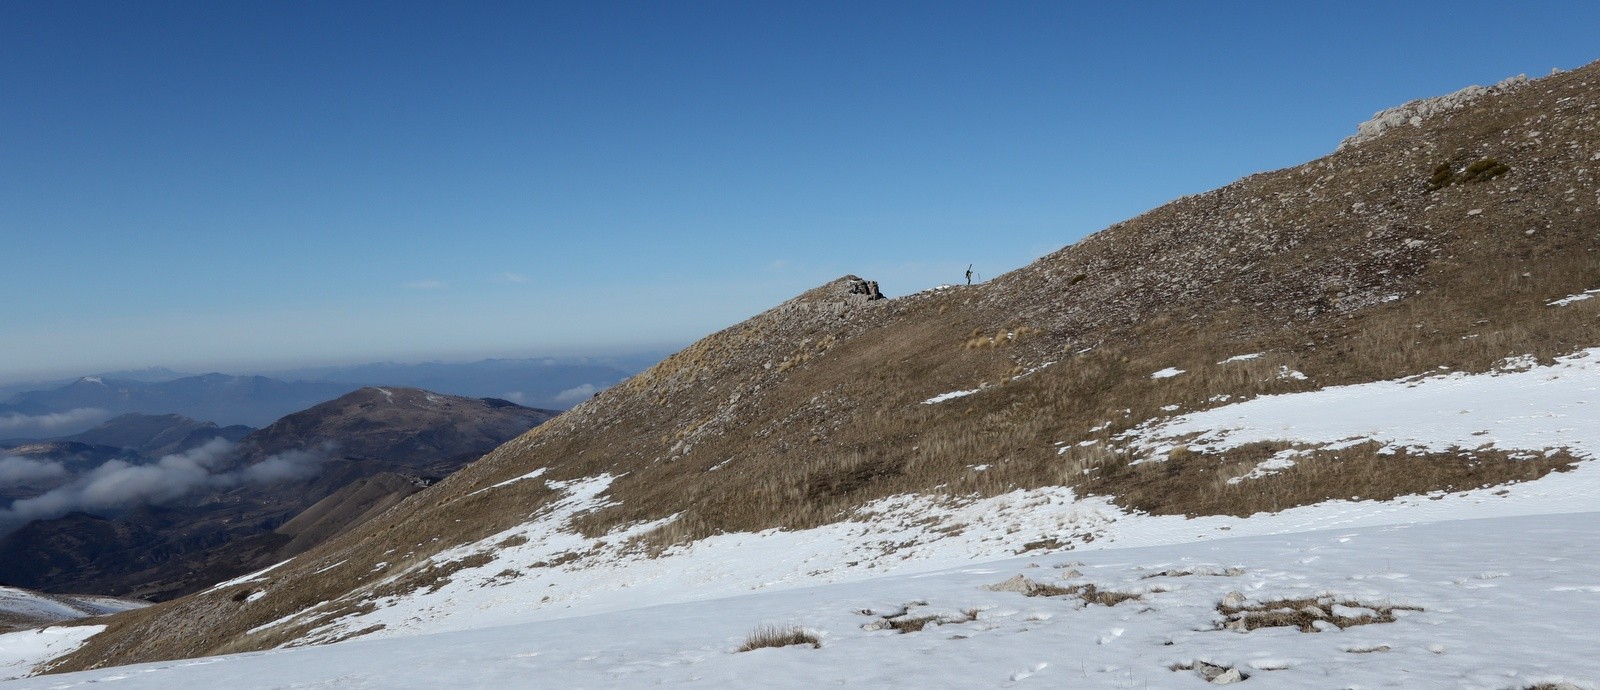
1306,615
1481,170
776,636
1089,593
903,622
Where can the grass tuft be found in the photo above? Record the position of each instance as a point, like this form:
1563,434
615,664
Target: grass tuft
775,636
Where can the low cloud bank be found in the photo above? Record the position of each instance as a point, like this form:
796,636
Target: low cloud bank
15,470
578,394
116,486
54,424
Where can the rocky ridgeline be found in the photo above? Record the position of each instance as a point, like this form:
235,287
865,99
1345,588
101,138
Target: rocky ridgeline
1416,112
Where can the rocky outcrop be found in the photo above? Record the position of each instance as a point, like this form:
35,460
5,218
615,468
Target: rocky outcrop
868,288
1416,112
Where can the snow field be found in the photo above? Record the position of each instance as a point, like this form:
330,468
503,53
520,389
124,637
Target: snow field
1505,603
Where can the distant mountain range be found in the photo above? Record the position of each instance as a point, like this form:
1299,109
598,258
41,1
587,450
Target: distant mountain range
42,410
154,436
557,383
220,398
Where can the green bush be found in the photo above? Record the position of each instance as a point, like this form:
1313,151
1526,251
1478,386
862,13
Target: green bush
1481,171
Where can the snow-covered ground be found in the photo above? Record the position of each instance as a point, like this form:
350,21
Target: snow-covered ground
30,605
21,651
1502,603
1507,601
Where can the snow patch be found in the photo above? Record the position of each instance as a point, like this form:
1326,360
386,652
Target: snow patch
531,475
952,395
249,577
1579,297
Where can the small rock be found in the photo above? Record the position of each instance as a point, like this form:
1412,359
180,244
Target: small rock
1233,600
1208,671
1228,677
1017,584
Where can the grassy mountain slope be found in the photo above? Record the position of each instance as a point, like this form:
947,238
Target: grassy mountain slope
1439,244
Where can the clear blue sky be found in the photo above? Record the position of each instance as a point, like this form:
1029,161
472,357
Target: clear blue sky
229,185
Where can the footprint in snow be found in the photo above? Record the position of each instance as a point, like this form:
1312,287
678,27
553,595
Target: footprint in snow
1110,636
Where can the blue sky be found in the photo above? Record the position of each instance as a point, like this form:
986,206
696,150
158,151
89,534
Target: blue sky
237,185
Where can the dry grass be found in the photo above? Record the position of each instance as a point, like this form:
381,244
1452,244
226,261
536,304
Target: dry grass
775,636
1089,593
903,622
1304,614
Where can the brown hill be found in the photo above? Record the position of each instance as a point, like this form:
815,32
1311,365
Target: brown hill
338,461
1428,244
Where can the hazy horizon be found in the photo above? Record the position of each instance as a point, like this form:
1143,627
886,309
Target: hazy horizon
245,186
279,369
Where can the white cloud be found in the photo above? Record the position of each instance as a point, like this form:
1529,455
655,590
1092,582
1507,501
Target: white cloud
18,424
512,277
15,470
427,284
117,485
577,394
